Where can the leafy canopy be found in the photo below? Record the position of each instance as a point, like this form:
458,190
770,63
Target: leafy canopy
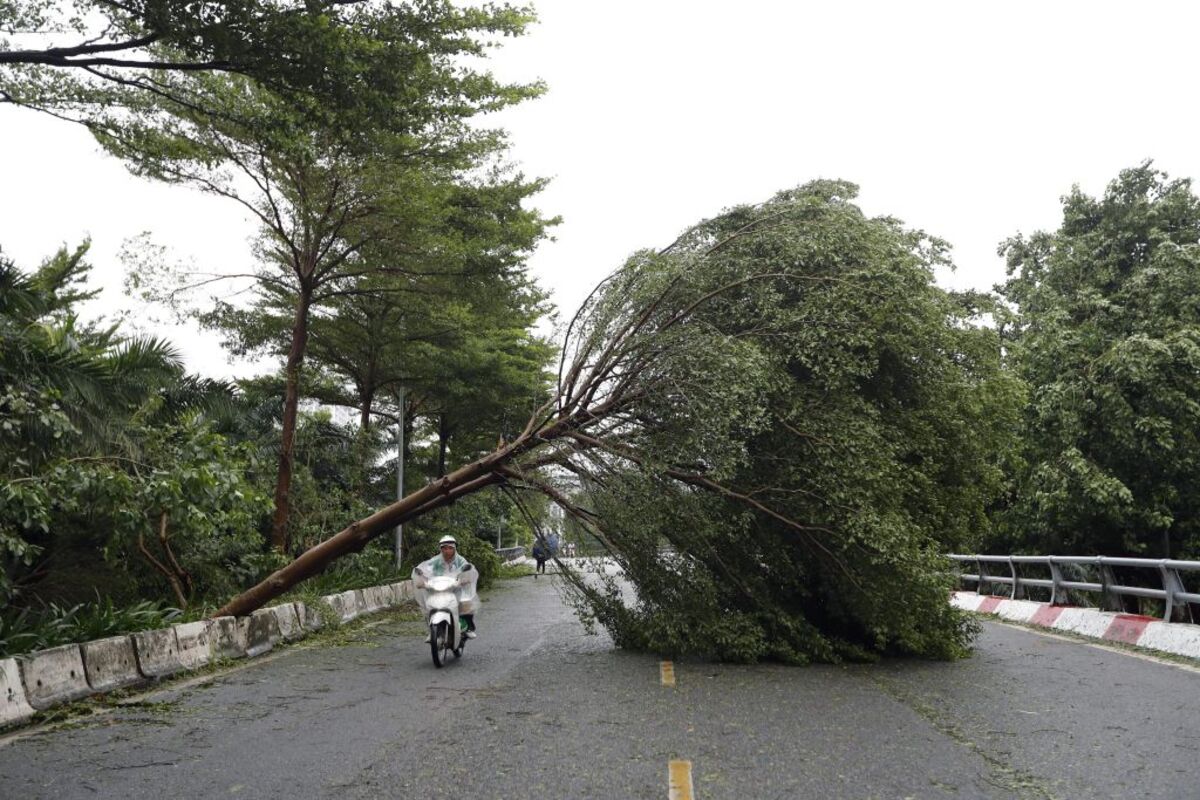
1107,335
811,424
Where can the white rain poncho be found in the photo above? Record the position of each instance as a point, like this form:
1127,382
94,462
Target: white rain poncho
456,567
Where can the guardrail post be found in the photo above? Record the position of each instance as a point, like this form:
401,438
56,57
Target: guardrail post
1109,600
982,578
1058,595
1171,585
1016,592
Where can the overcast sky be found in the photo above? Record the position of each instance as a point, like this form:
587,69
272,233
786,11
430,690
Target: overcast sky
968,120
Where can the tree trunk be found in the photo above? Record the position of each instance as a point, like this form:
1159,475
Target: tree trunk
291,401
463,481
443,442
172,575
444,491
366,400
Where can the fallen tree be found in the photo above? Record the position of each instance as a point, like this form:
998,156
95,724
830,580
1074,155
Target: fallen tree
784,396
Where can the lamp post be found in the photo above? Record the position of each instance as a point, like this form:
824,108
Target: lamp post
399,545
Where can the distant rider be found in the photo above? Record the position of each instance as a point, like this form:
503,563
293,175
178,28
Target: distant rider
449,562
540,556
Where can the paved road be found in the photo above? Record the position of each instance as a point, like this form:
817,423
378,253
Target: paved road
539,709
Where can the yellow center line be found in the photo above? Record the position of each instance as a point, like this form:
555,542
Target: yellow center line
679,780
666,672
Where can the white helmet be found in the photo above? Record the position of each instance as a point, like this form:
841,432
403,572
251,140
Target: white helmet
450,540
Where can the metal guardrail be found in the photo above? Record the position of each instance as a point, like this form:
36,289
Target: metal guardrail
1175,598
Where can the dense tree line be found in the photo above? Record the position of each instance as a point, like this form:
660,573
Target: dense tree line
1104,330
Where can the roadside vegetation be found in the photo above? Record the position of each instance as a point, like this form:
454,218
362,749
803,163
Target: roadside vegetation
783,396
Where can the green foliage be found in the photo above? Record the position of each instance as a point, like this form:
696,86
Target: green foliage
400,65
818,423
513,571
107,457
1107,335
27,630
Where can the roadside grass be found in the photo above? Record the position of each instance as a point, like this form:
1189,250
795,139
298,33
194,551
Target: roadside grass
512,571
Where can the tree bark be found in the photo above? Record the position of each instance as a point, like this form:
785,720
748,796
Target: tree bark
172,578
445,491
291,401
441,492
443,441
366,401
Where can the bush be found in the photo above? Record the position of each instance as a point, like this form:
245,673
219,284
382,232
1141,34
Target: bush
27,630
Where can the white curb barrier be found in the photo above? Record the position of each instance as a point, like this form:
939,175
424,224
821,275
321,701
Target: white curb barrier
374,599
195,644
111,664
1178,638
40,680
259,632
224,638
345,605
310,618
54,676
157,652
1172,638
288,621
14,707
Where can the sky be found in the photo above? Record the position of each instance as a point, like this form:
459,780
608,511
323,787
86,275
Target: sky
967,120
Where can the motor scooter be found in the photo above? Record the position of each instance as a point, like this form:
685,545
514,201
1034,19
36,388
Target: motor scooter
442,598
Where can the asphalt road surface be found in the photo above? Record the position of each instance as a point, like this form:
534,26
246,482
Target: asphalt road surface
539,709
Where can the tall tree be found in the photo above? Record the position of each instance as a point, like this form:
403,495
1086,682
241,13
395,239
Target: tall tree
1107,335
322,200
785,395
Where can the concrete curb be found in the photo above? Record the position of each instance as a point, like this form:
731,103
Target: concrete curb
223,635
37,681
344,605
289,622
157,652
54,676
375,598
310,618
195,643
1176,638
111,664
14,707
259,632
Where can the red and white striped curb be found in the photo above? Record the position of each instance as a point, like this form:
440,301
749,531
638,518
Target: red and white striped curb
1169,637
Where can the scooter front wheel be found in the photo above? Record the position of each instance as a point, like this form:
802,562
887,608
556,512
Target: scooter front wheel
439,635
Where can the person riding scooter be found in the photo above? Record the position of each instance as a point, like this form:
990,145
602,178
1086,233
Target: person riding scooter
449,563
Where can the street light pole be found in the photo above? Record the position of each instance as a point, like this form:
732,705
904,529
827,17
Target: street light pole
399,545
